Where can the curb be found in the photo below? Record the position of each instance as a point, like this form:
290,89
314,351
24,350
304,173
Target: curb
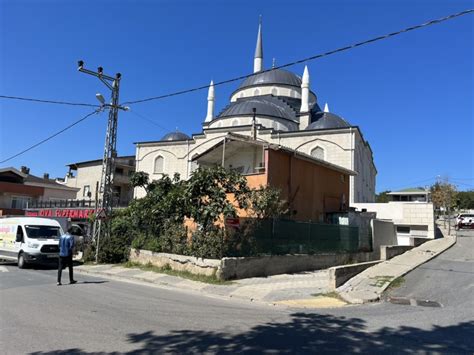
378,295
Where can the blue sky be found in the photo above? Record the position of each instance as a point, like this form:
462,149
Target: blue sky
412,95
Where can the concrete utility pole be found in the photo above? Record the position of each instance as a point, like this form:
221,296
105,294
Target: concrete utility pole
106,199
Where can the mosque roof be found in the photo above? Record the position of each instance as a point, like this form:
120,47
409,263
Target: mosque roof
175,136
272,77
326,120
265,105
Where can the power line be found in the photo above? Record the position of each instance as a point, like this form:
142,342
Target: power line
47,101
51,137
148,120
318,56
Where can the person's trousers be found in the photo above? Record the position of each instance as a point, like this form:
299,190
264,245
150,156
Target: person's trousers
63,262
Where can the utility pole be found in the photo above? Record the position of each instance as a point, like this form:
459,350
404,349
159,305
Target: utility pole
105,202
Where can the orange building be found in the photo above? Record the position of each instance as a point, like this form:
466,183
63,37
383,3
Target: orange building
312,187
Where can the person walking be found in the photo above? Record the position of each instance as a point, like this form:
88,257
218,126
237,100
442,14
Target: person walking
66,246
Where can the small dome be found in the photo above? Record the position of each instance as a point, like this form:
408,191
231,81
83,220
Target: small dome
326,120
275,76
265,105
175,136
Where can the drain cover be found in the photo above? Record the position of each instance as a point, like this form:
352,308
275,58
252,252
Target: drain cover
427,303
400,300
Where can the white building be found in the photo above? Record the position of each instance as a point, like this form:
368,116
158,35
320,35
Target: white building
277,107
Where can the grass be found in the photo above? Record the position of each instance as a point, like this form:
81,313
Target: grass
184,274
393,283
332,294
397,282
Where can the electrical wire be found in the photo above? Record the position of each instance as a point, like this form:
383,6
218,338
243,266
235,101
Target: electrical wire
142,117
51,137
47,101
317,56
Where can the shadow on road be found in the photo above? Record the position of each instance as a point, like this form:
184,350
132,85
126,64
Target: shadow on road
306,333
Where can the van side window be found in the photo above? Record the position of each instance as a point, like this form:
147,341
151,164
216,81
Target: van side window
19,235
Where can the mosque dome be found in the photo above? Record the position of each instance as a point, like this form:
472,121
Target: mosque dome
266,105
175,136
272,77
327,120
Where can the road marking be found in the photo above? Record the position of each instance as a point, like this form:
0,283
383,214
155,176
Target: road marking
3,269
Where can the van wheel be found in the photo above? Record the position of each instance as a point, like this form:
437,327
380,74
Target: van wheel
21,261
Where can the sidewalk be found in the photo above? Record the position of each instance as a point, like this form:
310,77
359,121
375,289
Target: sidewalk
295,290
369,285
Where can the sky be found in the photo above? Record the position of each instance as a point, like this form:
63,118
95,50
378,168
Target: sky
412,95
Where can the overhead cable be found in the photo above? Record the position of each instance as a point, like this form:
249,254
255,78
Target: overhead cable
51,137
47,101
317,56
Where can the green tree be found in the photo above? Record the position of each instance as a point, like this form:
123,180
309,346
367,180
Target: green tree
382,197
465,200
206,195
266,202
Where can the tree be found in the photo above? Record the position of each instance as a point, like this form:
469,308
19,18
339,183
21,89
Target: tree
266,202
382,197
465,200
206,195
443,195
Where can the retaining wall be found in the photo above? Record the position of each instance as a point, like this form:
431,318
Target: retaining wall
245,267
389,251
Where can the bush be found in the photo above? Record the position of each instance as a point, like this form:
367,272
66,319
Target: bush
174,238
208,245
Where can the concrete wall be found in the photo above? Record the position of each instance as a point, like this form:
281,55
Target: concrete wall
383,233
389,251
208,267
240,268
338,275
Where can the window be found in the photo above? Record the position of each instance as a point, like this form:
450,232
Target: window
19,234
194,163
235,123
20,202
275,92
119,171
403,230
86,192
317,153
159,165
256,92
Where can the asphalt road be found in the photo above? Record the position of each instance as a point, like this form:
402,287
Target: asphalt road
104,316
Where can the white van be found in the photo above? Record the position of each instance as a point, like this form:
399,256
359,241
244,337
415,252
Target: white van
29,240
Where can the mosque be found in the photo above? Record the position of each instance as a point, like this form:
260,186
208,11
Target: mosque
275,108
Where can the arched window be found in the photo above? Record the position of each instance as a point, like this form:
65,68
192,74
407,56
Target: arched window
275,92
235,123
318,153
194,164
275,125
293,93
159,165
256,92
219,124
241,94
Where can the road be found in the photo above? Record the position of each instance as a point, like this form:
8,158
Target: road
105,316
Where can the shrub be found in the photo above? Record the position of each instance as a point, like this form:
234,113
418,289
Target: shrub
208,244
174,238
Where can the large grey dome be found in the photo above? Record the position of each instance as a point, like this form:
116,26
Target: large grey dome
275,76
326,120
176,136
266,105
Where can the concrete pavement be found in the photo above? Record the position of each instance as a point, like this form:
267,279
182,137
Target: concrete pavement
295,290
369,285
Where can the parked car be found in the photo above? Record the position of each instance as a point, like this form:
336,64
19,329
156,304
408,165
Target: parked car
465,220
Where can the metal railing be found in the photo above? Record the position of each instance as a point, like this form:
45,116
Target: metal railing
67,203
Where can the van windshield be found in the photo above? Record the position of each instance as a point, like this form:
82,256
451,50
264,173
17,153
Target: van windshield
42,232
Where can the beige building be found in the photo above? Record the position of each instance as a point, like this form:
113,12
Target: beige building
86,175
275,107
412,220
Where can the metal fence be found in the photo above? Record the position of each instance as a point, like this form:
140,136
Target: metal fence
277,237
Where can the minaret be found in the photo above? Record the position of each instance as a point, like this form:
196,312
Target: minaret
305,91
305,115
326,107
210,103
258,60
